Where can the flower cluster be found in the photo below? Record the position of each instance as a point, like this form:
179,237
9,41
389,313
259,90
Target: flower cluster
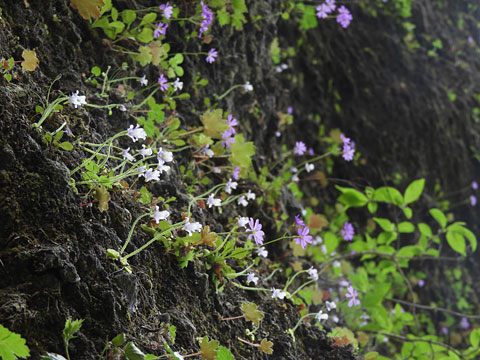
325,9
344,17
228,135
348,148
207,16
348,231
243,200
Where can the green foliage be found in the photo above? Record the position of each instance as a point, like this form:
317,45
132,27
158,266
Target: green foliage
242,152
12,345
251,313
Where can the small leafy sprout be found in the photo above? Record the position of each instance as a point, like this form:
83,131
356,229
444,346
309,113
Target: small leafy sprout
71,327
12,345
265,346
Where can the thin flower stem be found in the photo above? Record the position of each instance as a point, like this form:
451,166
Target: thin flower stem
247,342
248,287
131,231
233,318
145,100
301,287
227,92
289,282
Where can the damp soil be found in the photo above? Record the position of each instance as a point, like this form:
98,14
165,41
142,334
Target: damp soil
53,251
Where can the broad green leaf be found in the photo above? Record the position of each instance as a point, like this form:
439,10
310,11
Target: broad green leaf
385,224
12,345
132,352
388,194
224,354
425,229
375,297
456,241
475,338
145,36
331,241
144,57
465,232
439,216
406,227
251,313
66,146
242,152
407,212
239,5
148,19
214,124
351,197
413,191
409,251
119,340
128,16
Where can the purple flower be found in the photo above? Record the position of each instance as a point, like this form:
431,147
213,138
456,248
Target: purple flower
303,238
167,10
444,330
290,110
348,231
212,54
228,138
464,324
352,293
231,121
322,12
330,5
163,82
421,283
344,16
299,221
136,133
473,200
256,229
207,18
300,148
474,185
160,30
236,172
348,148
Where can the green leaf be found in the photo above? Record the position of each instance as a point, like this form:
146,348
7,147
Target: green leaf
119,340
71,327
12,345
251,313
413,191
224,354
144,57
375,297
239,6
456,241
66,146
351,197
309,18
475,338
242,152
214,123
148,19
128,16
385,224
132,352
96,71
388,194
266,347
466,233
407,212
406,227
145,36
8,77
409,251
331,242
439,216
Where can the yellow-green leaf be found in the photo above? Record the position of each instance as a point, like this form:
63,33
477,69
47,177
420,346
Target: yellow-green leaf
208,349
251,313
266,347
213,123
88,8
30,61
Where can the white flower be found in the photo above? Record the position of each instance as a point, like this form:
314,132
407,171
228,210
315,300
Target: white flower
160,215
211,201
309,167
295,178
324,249
278,134
344,283
191,227
136,133
208,152
178,356
143,81
277,293
317,240
216,170
230,185
262,252
330,305
162,167
250,195
252,278
337,264
126,155
141,170
178,85
77,100
313,273
335,318
248,87
284,66
242,221
242,201
122,108
151,174
321,316
145,152
294,169
164,155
